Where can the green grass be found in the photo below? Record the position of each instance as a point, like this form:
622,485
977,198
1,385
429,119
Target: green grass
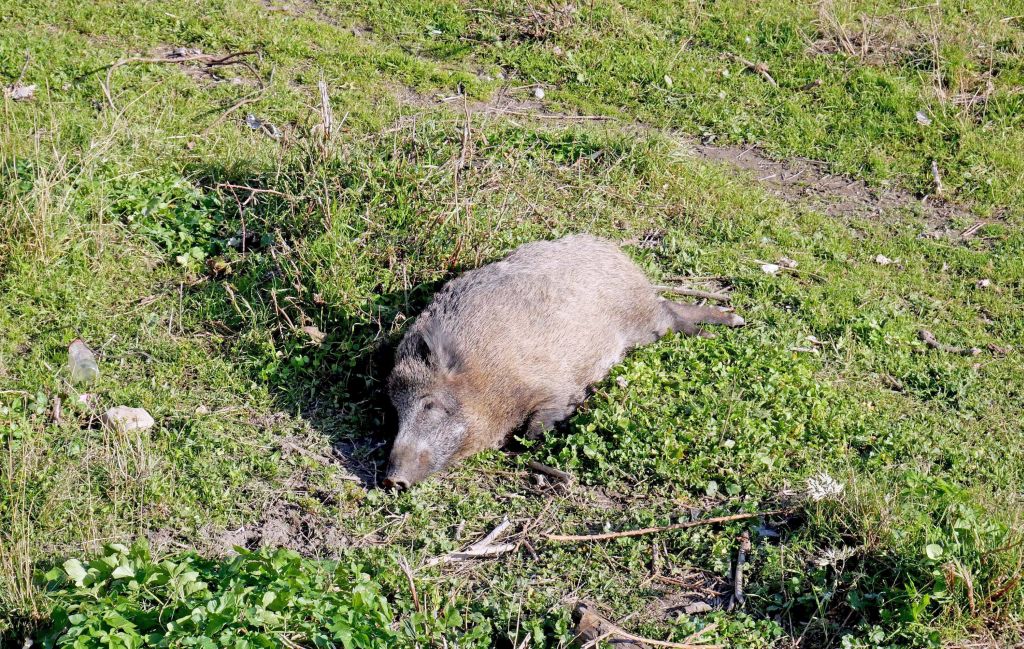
131,227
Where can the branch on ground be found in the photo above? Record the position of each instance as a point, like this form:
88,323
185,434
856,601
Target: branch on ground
568,538
929,339
592,629
483,549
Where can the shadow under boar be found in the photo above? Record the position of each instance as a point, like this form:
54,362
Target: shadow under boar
517,343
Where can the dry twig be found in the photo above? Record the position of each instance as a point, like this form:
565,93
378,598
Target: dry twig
759,68
482,549
741,558
929,339
936,178
404,565
692,292
562,538
550,471
592,628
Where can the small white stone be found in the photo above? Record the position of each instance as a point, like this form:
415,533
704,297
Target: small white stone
770,269
882,260
538,92
127,419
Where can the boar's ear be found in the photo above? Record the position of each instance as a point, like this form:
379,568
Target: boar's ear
434,349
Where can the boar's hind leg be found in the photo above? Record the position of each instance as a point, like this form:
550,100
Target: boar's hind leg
545,419
689,318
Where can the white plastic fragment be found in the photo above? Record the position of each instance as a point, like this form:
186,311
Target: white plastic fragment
770,269
786,262
257,124
923,119
983,283
82,363
127,419
824,487
882,260
20,92
538,92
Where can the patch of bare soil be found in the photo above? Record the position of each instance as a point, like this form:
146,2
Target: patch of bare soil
282,522
809,183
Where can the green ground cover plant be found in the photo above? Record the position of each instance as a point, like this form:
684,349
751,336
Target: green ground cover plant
245,285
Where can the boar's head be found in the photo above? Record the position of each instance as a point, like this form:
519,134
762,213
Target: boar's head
431,422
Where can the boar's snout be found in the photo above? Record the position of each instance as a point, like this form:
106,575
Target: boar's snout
407,466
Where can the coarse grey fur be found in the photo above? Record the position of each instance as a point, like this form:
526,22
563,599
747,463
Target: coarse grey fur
518,342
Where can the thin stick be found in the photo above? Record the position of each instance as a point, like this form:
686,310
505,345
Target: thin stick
692,292
518,113
256,190
561,538
606,628
741,558
326,114
21,75
971,231
929,339
759,68
936,178
557,474
482,549
404,565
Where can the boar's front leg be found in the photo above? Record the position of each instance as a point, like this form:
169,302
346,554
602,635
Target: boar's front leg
546,417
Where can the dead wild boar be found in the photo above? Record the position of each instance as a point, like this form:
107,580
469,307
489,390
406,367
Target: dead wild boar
514,346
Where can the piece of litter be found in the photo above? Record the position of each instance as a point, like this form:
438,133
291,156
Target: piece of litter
813,340
923,119
668,81
804,350
185,52
697,608
538,92
314,334
770,269
127,419
983,283
786,262
202,410
882,260
257,124
20,92
823,487
87,399
82,363
621,382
